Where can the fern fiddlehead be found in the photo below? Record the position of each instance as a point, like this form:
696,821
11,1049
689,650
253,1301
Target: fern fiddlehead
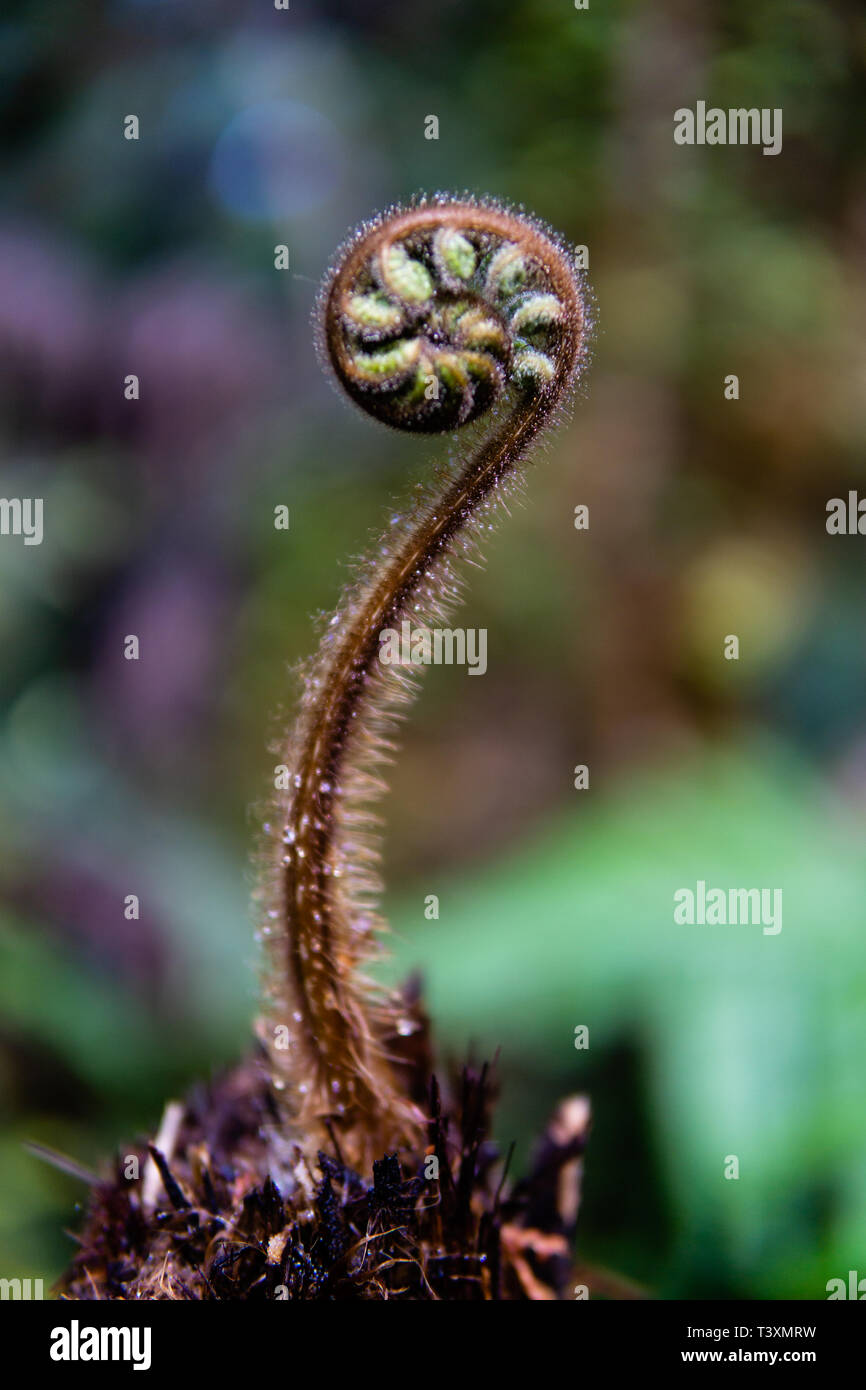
451,313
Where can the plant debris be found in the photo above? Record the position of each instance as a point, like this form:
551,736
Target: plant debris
239,1212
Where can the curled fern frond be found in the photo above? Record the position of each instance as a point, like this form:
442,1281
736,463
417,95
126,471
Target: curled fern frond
447,314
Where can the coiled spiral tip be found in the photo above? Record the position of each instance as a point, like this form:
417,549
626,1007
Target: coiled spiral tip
435,313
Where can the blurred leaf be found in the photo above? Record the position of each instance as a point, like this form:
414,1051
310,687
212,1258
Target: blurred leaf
753,1042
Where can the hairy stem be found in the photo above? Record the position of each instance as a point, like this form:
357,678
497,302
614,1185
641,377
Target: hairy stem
431,317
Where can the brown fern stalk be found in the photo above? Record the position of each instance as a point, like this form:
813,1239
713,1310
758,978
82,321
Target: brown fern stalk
319,1176
432,318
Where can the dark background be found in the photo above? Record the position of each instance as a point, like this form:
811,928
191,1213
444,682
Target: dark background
605,647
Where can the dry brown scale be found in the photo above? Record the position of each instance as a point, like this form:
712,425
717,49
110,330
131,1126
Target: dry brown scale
222,1228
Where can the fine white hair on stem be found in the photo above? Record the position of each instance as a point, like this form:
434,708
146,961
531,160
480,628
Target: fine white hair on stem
448,314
